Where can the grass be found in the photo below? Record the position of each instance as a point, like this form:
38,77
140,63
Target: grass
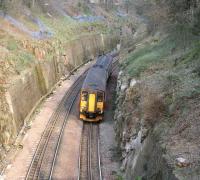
17,56
177,82
63,28
151,54
138,178
84,8
140,60
26,57
29,24
66,29
12,45
21,60
192,55
119,177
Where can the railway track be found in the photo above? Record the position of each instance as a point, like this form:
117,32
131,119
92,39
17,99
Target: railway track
43,162
89,162
115,64
89,157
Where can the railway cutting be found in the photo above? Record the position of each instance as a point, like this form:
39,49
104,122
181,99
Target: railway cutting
44,160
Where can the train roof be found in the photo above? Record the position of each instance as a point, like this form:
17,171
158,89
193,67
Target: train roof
96,78
104,61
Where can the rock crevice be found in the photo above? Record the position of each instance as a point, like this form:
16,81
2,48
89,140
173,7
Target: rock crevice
137,123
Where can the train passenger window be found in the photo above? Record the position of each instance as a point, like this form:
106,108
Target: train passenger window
84,96
99,97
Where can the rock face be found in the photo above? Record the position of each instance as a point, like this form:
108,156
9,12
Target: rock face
19,98
137,126
158,140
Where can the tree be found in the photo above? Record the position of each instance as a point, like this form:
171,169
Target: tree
30,3
127,3
3,5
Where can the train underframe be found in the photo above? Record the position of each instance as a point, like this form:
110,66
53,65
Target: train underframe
91,117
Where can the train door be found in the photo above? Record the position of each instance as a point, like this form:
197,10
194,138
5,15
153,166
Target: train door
92,102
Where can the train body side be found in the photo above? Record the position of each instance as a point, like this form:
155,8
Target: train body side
93,96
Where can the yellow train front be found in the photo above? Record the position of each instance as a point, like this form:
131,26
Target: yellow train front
93,91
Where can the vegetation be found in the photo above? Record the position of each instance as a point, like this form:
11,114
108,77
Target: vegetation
82,7
167,67
181,66
19,49
168,64
144,57
138,178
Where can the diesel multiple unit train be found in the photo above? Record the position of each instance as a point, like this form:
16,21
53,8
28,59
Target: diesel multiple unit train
93,91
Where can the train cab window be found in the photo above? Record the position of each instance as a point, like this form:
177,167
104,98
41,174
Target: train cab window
99,97
84,96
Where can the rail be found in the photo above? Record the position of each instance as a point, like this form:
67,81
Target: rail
43,162
89,153
90,161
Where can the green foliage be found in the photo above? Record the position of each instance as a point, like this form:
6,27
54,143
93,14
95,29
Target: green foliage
2,4
83,7
63,28
173,79
189,86
119,177
25,58
140,60
138,178
184,12
12,45
28,3
180,38
196,22
179,81
22,60
192,55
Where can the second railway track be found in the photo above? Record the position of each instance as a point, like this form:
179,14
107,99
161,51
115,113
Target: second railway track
43,162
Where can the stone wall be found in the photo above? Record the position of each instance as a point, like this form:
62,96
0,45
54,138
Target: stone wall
21,97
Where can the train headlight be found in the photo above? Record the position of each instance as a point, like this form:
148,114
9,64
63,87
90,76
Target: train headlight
83,109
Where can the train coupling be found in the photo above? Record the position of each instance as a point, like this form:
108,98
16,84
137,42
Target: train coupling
95,119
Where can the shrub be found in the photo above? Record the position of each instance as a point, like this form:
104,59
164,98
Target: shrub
12,45
152,107
3,5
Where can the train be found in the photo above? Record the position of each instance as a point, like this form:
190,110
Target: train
93,91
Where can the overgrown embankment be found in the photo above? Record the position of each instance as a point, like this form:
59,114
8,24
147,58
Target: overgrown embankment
157,113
